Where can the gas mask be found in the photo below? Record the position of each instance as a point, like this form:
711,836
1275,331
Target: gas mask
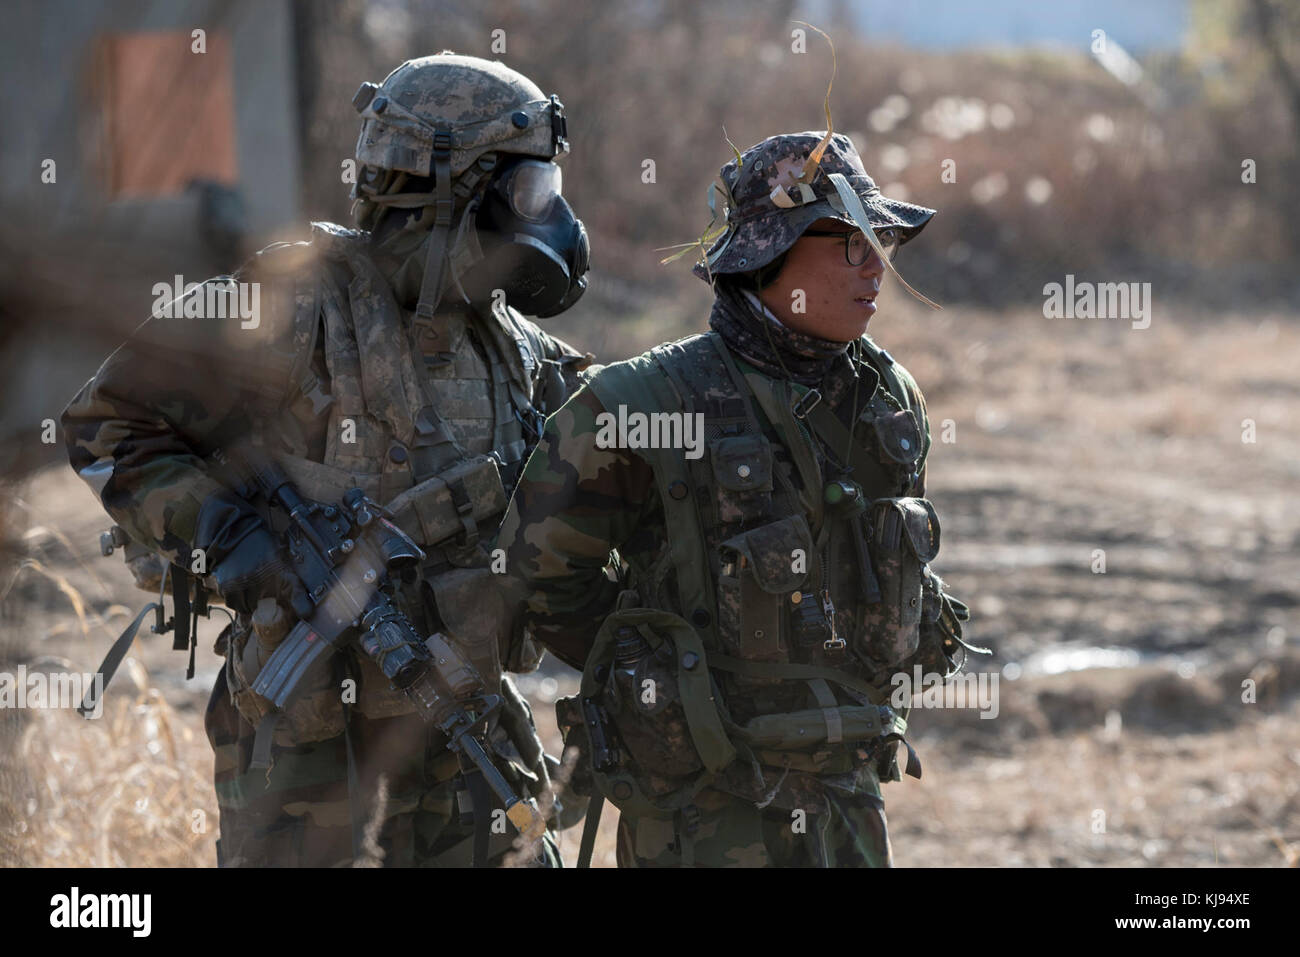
533,247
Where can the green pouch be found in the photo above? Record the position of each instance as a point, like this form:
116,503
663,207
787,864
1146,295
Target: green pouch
652,776
903,537
804,730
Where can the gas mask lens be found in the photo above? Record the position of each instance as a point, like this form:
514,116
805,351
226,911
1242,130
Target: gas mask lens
532,189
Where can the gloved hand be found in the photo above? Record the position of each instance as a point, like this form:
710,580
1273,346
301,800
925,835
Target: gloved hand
244,557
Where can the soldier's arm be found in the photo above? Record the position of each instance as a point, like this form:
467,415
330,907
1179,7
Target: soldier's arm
139,432
574,504
562,377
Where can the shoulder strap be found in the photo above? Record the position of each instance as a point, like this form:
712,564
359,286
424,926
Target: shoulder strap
645,384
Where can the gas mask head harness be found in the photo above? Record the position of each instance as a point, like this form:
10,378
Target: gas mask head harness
429,143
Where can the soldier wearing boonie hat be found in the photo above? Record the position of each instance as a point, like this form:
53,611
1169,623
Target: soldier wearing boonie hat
736,698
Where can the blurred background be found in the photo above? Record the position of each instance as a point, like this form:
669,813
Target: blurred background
1114,142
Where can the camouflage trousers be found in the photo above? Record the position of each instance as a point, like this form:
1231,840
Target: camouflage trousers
298,813
721,830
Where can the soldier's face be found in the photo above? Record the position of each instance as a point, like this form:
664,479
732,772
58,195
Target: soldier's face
818,293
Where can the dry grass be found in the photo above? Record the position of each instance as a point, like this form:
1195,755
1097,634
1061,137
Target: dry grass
130,789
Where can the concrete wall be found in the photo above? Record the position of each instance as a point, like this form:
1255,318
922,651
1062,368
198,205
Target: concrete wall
77,266
47,111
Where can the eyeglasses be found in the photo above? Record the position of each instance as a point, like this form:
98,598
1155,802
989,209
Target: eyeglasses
857,250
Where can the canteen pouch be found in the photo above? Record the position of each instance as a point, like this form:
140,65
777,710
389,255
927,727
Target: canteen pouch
761,568
648,677
903,537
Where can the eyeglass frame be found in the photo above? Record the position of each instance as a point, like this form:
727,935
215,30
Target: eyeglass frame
848,239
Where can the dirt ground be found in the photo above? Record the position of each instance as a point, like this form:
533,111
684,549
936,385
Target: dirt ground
1118,508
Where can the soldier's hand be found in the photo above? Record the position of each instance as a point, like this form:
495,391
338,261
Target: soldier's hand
245,558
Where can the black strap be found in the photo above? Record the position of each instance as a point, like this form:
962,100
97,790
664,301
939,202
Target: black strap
482,798
180,610
113,659
589,828
263,739
343,669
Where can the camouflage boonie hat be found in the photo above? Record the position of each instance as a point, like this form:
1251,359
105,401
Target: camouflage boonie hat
479,105
768,208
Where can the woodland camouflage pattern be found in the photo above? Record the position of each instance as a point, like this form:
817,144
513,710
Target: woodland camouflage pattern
142,433
577,501
759,230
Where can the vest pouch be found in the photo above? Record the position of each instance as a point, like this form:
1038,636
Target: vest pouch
899,437
647,677
941,632
472,606
761,568
316,712
451,503
903,537
742,477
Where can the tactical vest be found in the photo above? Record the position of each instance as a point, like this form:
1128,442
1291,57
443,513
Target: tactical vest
792,586
439,444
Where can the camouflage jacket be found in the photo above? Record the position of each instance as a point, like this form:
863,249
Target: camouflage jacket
779,557
323,376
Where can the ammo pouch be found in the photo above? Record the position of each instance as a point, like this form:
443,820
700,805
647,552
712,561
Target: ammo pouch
941,632
471,606
761,569
452,502
648,704
903,537
657,731
742,476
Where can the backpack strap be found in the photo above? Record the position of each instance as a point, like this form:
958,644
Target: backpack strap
644,384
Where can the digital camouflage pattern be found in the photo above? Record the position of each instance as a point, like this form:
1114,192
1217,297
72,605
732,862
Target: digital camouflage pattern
143,432
298,814
577,501
759,230
483,104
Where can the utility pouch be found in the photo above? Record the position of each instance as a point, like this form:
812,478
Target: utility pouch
903,537
451,503
761,569
941,632
472,607
899,437
315,713
742,476
647,691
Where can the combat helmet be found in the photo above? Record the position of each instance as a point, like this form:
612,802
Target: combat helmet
776,189
446,117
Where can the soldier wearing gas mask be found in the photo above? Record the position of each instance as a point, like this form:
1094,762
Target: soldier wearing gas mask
392,358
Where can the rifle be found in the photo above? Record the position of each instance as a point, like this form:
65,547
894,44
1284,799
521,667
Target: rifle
347,556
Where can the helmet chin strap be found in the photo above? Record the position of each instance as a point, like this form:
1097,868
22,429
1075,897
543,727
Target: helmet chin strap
436,259
466,251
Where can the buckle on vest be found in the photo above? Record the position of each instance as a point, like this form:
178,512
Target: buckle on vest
464,508
806,404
